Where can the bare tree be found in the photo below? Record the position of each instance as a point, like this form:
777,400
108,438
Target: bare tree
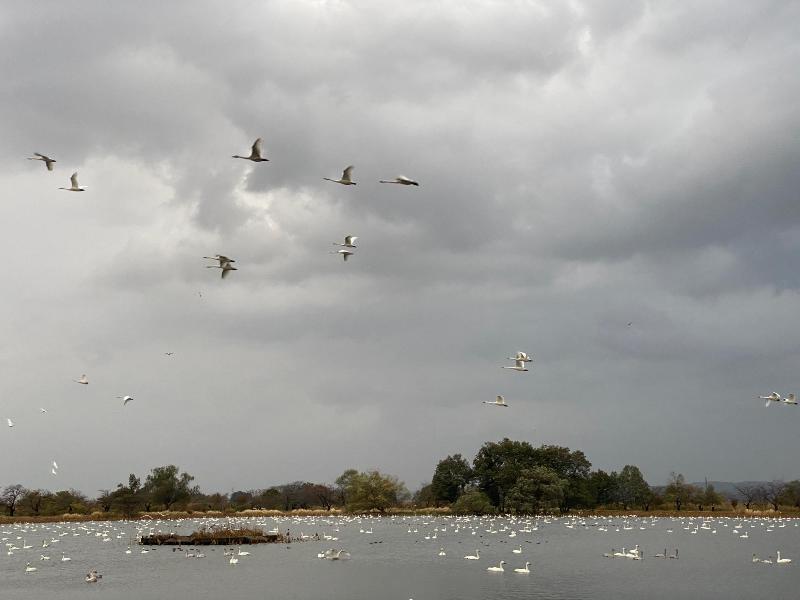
11,496
749,494
773,492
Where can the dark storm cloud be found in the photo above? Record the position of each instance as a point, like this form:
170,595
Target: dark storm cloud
582,165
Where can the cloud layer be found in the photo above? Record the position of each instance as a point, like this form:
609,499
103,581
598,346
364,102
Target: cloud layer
582,166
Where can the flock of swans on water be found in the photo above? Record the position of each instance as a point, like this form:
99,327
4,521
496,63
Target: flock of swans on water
494,535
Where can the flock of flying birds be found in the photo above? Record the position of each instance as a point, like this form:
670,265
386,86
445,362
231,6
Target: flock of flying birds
776,397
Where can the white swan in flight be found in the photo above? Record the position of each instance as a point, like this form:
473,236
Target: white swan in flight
226,268
790,399
345,180
75,187
498,569
42,410
519,365
48,162
10,422
345,254
773,397
255,153
349,242
521,356
525,569
500,401
125,399
83,380
401,180
55,465
476,556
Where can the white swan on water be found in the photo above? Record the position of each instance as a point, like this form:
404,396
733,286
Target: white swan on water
475,556
783,561
498,569
525,569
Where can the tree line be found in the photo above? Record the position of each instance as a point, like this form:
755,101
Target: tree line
503,477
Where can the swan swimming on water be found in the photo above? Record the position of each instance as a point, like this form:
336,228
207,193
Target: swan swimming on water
498,569
475,556
783,561
525,569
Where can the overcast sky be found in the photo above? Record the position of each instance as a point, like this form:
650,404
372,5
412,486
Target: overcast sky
582,165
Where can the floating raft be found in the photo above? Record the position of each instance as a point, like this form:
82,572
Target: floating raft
204,540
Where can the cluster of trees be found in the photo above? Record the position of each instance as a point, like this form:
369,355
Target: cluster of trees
511,476
163,488
166,488
504,476
514,476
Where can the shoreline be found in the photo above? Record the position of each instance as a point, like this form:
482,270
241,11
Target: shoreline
433,512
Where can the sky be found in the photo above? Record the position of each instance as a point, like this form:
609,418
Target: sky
582,165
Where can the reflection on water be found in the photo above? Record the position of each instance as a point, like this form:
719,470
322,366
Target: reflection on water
399,558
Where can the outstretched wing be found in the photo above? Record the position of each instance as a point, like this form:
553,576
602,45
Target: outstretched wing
346,173
256,149
74,179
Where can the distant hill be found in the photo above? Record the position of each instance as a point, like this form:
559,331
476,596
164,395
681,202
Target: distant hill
728,488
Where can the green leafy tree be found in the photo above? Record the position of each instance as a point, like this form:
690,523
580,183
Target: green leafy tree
632,489
68,502
451,477
537,489
374,491
34,501
497,467
791,495
473,502
678,491
571,466
424,496
602,487
343,482
166,486
711,497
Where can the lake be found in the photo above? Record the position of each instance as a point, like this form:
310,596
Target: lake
398,558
